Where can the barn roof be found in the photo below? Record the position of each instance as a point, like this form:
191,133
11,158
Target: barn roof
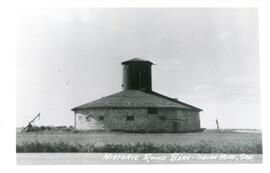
136,99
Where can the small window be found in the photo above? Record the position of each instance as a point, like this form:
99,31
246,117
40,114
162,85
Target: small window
162,118
130,118
152,111
143,79
88,117
101,118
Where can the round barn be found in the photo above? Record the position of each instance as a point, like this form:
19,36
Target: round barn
137,108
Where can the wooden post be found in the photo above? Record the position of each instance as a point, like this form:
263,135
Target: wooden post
74,119
217,123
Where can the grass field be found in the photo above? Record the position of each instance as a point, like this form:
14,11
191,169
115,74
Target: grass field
209,141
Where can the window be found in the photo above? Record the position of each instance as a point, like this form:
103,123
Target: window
88,117
101,118
162,118
130,118
152,111
143,79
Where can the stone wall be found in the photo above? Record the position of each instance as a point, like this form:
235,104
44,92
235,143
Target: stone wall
116,119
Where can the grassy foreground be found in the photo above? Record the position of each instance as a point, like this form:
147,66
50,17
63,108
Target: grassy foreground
201,147
209,141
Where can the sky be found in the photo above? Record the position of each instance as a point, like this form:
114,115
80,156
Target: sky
206,57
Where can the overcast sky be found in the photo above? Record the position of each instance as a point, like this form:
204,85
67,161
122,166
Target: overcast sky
204,57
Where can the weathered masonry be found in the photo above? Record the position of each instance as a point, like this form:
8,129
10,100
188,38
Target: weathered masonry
137,108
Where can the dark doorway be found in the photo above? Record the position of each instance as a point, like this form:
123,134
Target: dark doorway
174,126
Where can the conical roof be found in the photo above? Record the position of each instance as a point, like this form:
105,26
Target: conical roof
136,99
136,60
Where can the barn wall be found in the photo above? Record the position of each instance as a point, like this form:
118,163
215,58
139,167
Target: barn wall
115,119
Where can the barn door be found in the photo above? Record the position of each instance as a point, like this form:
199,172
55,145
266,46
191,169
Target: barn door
174,126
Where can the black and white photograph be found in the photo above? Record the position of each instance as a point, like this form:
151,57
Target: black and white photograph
138,86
